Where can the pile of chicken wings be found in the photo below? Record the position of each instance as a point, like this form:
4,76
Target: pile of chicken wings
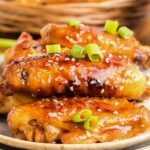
42,92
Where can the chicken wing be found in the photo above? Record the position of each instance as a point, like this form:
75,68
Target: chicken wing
109,43
25,47
117,119
67,37
55,1
58,74
8,102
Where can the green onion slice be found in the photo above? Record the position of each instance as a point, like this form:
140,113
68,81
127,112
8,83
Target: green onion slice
51,49
94,52
74,23
91,123
36,55
77,52
125,32
82,115
2,53
6,43
111,26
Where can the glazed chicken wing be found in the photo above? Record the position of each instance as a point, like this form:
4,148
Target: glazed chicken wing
24,48
109,43
55,1
8,102
67,37
51,120
58,74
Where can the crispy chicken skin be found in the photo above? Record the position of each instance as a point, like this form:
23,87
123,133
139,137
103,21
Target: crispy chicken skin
55,1
50,120
8,102
109,43
24,48
58,74
67,37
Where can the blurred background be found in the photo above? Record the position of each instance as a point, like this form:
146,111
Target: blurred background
31,15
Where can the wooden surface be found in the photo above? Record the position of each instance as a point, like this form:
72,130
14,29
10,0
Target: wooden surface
15,17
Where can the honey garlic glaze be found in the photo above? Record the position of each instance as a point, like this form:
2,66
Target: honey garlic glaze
58,74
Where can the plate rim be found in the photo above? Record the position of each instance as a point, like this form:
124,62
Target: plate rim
143,137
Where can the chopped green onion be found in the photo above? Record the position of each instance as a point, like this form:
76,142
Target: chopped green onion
111,26
91,123
51,49
1,53
125,32
94,52
74,23
82,115
77,52
6,43
36,55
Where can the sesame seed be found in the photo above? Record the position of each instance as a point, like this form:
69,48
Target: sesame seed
107,82
52,114
116,103
78,35
107,60
88,134
61,104
42,106
57,59
55,100
73,59
115,112
61,68
72,40
67,37
121,88
102,91
50,61
99,110
110,55
47,65
99,81
93,82
67,59
100,38
56,54
107,42
71,88
82,25
59,113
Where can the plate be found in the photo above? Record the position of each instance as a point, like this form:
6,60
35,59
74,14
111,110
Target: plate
6,138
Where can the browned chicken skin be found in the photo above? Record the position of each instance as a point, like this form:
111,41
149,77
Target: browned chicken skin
50,120
56,1
109,43
67,36
59,74
25,47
